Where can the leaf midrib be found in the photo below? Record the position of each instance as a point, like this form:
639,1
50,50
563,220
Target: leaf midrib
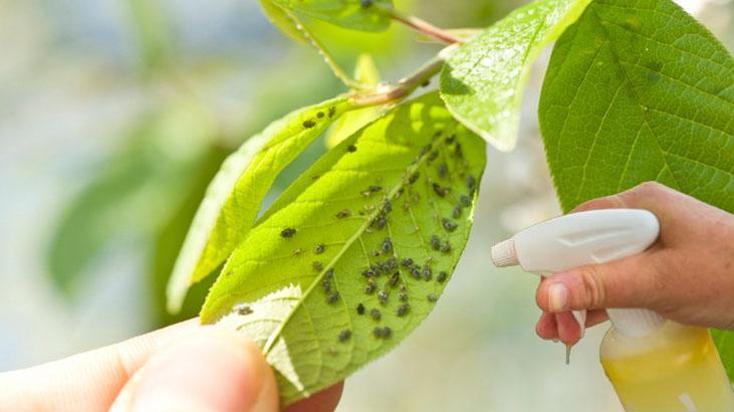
348,244
628,85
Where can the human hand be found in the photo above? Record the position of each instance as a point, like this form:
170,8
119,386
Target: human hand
182,368
686,276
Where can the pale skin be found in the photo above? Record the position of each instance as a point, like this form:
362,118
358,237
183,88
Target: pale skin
686,276
181,368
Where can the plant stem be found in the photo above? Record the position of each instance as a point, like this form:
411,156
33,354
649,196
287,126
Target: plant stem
422,26
403,87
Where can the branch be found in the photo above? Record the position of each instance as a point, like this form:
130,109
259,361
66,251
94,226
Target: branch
421,26
407,85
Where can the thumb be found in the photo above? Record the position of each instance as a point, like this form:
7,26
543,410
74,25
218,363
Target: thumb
213,370
630,282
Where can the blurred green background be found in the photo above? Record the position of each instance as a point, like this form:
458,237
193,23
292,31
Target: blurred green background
114,115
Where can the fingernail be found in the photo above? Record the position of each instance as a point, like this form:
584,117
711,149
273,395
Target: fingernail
557,297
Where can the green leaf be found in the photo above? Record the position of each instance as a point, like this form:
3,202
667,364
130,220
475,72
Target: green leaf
725,343
637,90
403,187
280,19
367,74
235,194
483,80
351,14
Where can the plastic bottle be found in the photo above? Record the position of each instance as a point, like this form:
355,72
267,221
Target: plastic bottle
655,365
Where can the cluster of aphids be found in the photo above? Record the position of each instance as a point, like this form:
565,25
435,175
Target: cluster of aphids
385,277
309,123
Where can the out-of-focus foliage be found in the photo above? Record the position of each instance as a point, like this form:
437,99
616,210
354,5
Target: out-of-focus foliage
135,190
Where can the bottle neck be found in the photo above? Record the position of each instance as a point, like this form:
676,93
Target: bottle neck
635,323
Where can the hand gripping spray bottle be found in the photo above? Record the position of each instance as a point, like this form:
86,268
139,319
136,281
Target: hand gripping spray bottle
655,365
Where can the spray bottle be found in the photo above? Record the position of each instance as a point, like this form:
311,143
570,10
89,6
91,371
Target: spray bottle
654,364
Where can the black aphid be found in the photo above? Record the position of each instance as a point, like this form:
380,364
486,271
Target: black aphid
442,276
365,3
345,335
386,245
457,150
371,287
432,297
343,213
425,149
320,115
379,222
406,262
375,188
244,310
415,272
440,190
382,333
471,182
375,314
450,139
443,170
390,264
317,266
387,206
414,177
403,310
368,273
309,124
465,201
427,273
332,111
432,156
403,297
360,309
394,279
445,247
333,298
351,148
319,249
448,225
382,296
435,242
287,232
425,83
456,213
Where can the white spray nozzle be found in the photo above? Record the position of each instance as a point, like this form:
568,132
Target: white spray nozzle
578,239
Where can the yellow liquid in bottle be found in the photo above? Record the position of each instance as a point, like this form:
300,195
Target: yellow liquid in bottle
676,368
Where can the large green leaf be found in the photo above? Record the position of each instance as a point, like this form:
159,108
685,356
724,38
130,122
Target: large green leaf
483,80
637,90
330,251
235,194
352,14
